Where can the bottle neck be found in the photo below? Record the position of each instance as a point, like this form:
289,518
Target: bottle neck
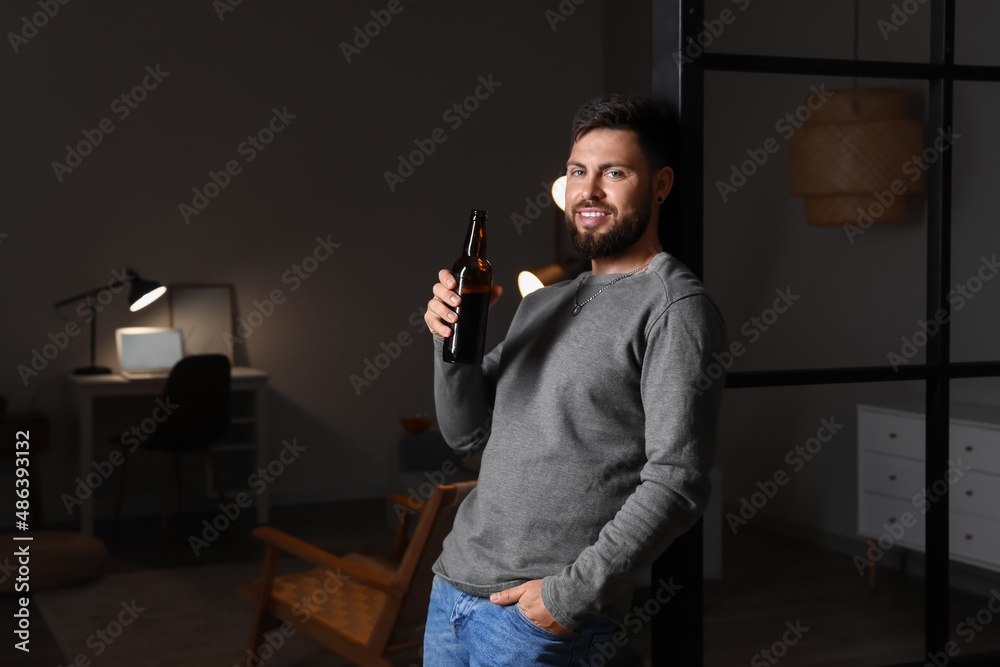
475,240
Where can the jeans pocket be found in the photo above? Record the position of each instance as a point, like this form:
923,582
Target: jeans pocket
604,646
539,630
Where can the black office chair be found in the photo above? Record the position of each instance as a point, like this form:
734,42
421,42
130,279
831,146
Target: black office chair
199,386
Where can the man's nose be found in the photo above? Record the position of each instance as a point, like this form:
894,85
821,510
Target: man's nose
591,189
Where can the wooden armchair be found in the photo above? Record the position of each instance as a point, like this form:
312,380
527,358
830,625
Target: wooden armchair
362,609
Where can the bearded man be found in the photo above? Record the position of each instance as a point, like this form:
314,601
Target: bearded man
598,440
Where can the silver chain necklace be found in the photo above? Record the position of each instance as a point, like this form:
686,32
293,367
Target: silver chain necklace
577,307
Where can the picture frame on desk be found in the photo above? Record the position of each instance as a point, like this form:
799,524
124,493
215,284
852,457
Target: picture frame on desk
204,314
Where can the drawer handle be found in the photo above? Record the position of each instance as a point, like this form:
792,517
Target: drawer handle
968,448
892,478
892,436
969,492
892,519
968,537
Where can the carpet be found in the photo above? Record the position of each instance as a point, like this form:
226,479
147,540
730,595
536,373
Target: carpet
176,617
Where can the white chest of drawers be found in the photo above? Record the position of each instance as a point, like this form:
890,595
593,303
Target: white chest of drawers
891,481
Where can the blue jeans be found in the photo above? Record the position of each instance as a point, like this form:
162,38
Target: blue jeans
469,631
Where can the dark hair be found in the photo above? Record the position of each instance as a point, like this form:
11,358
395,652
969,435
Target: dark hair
655,124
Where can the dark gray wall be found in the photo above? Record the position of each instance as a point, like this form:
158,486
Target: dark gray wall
322,176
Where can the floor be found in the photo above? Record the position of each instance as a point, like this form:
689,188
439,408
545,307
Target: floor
779,599
772,582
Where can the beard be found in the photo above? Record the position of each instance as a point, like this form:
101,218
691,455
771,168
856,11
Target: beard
624,232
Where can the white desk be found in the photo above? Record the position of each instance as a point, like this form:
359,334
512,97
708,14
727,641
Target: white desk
86,388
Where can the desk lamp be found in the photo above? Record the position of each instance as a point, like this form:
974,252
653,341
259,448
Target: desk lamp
141,294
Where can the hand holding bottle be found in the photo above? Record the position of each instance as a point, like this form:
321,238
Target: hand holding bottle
439,316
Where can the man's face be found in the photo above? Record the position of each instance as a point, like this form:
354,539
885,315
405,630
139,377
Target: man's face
609,193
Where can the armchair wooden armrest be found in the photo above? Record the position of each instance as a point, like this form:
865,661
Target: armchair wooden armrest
285,542
411,506
407,502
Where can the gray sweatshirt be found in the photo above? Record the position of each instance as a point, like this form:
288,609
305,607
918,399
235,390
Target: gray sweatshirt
599,432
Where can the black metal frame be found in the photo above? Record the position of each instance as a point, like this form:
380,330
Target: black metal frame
678,634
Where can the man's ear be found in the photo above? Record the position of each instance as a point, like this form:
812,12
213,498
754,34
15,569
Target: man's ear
663,183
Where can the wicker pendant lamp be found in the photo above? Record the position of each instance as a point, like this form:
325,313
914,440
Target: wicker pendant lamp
856,158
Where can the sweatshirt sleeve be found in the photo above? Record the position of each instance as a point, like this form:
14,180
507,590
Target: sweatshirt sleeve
681,405
463,398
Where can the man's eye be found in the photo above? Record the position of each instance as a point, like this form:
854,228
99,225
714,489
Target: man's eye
575,172
614,173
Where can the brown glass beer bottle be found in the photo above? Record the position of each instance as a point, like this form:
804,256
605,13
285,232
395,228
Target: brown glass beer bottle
474,276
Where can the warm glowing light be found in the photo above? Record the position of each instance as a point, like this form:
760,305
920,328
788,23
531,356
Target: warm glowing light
148,298
528,283
559,192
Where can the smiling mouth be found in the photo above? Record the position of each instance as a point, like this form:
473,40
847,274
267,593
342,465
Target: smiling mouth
589,218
